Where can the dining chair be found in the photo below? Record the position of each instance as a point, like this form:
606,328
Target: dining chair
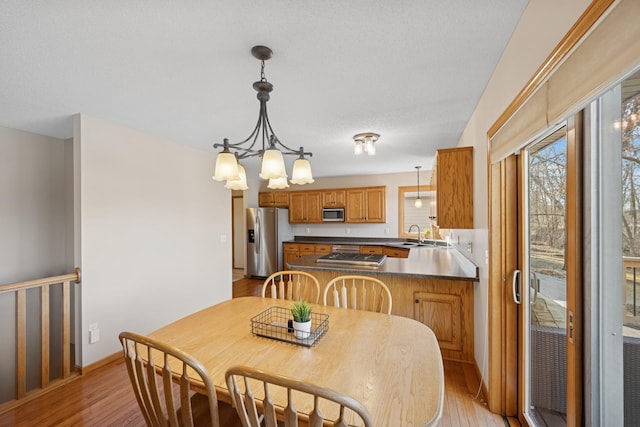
245,383
292,285
162,375
358,292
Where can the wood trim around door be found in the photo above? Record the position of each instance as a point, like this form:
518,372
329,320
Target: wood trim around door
588,18
502,322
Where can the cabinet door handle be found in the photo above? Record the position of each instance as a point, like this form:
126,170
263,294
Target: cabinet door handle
515,287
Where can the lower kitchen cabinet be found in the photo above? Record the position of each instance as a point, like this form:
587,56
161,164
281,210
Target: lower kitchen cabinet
396,252
445,306
293,251
371,250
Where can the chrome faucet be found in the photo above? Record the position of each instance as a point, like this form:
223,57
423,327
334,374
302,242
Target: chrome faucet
419,231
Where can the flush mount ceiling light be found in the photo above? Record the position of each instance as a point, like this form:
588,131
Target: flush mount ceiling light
365,143
418,202
261,142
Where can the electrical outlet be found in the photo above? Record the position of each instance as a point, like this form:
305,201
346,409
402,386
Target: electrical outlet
223,238
94,333
347,230
308,230
387,230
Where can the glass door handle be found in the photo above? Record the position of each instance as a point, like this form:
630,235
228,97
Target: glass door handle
514,287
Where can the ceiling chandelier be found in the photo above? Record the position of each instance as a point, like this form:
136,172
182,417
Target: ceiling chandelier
261,142
365,143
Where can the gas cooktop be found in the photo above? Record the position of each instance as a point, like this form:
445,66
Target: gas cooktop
354,259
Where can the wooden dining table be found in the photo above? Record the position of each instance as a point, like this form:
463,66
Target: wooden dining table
391,364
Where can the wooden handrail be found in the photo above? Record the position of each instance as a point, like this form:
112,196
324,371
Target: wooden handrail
46,281
630,261
20,290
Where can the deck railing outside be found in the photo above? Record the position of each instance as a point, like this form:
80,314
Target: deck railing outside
631,283
21,369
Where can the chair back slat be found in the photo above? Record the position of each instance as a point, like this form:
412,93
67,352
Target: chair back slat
250,406
292,285
358,292
315,417
167,385
269,408
161,376
290,412
306,395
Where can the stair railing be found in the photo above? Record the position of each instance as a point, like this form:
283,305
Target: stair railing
20,291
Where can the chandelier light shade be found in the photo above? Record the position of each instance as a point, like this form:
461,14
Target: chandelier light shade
226,166
418,202
365,143
240,183
301,173
261,142
278,183
272,164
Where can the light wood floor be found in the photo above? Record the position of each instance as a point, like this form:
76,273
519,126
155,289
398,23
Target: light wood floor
104,396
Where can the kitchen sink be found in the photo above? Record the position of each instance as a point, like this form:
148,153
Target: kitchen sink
403,244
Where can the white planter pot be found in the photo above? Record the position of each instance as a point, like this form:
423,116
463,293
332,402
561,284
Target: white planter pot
302,330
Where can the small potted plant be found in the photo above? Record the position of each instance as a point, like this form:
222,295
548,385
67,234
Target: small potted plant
301,312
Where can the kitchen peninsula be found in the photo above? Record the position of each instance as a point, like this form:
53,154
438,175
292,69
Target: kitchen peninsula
433,285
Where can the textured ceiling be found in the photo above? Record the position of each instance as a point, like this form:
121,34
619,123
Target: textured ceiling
411,70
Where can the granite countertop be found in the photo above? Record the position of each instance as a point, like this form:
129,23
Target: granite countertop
423,262
373,241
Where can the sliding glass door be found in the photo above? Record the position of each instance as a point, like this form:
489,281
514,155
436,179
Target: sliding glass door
544,273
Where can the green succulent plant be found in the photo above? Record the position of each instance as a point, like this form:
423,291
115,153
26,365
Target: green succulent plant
301,311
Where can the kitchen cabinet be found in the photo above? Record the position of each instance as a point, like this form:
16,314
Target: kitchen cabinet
371,250
452,178
293,251
307,249
279,199
305,207
442,313
396,252
444,305
322,249
366,205
385,250
334,198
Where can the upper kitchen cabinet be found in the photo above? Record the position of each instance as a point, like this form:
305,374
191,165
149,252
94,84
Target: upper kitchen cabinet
279,199
366,205
334,198
305,207
453,180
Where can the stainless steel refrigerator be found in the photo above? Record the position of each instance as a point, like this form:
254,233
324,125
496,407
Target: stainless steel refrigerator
267,228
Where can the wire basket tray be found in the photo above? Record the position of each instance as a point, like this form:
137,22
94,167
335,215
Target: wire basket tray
275,323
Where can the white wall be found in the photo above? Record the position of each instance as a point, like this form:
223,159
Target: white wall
35,233
34,206
149,222
389,229
541,27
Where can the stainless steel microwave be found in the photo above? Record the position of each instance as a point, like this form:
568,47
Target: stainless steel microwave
333,215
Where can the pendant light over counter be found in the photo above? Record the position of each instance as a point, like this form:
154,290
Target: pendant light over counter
418,202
